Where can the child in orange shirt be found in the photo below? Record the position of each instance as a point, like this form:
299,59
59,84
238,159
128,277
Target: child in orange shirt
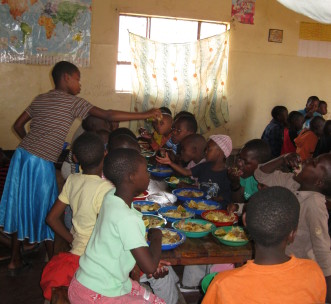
273,277
307,140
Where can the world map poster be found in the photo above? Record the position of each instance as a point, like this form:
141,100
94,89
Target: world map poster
45,32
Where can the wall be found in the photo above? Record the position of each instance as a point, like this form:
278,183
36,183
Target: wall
261,74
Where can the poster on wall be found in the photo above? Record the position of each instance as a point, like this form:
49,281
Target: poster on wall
45,31
243,11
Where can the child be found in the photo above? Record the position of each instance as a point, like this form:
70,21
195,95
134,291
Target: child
310,185
193,150
84,193
184,125
309,111
212,175
273,276
118,239
274,132
24,203
307,140
295,123
162,130
243,183
322,108
123,141
324,143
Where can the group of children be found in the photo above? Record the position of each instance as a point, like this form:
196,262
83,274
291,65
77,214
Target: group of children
107,237
305,131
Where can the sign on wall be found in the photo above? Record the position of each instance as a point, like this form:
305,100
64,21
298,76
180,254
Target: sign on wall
45,32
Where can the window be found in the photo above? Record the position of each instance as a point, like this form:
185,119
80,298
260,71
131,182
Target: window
159,29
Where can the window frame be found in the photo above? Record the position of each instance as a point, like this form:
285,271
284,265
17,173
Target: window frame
148,35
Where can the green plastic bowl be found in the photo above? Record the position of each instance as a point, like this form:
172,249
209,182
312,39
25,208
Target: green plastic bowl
192,234
207,280
226,242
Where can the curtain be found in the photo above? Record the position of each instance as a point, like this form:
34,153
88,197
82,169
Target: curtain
182,76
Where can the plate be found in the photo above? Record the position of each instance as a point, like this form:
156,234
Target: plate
192,234
152,217
147,154
147,203
204,215
160,171
199,211
207,280
174,185
142,196
226,242
188,196
163,210
174,245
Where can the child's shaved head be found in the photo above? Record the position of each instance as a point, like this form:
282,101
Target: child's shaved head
271,215
123,141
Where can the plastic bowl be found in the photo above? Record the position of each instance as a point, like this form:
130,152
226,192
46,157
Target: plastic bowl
226,242
207,280
146,203
163,210
178,192
217,223
142,196
192,234
160,171
184,179
165,247
156,217
200,211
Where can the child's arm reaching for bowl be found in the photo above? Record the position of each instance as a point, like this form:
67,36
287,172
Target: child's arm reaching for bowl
148,258
167,161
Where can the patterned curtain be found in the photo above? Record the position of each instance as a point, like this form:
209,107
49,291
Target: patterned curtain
182,76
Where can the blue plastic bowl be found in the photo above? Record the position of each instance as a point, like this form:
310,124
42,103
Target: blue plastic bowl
160,171
147,203
207,202
180,196
165,247
163,210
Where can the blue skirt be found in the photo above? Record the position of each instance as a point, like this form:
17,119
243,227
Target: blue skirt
29,194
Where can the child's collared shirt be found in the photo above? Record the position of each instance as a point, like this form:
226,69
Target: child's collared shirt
312,240
250,186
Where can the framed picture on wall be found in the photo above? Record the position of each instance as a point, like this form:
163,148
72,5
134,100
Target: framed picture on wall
275,35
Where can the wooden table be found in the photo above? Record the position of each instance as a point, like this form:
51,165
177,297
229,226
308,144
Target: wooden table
207,250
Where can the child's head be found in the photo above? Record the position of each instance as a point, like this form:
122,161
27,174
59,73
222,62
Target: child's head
93,124
88,150
104,135
127,168
183,126
193,147
253,153
312,104
295,120
183,113
322,107
219,147
66,73
280,114
123,141
317,125
121,131
165,110
272,216
163,126
316,175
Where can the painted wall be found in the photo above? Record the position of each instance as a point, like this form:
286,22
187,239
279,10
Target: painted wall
261,74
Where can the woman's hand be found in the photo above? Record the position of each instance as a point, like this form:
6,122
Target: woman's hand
154,113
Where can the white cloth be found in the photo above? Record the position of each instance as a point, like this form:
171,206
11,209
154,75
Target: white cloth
319,10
